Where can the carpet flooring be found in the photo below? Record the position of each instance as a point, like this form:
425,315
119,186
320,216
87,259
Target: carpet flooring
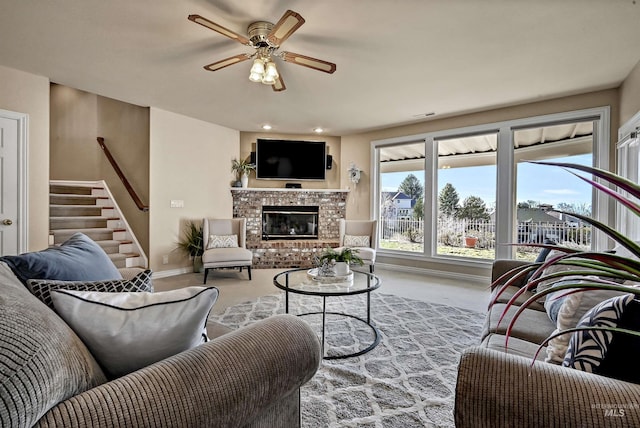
408,380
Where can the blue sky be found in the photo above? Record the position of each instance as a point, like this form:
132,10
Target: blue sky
545,184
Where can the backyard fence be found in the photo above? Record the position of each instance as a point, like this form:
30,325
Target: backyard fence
451,232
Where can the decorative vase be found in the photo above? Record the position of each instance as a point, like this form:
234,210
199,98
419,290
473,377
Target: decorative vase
197,264
342,268
245,180
470,241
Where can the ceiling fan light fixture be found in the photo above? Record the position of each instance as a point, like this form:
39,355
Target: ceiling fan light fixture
258,66
270,73
271,70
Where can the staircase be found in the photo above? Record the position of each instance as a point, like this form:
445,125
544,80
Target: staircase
88,207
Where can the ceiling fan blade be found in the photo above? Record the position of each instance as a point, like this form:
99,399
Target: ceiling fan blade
227,62
289,23
307,61
219,29
278,85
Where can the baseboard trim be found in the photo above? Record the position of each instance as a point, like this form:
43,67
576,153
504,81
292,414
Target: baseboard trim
386,266
479,279
171,272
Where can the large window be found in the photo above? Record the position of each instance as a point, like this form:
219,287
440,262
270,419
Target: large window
470,193
541,189
466,196
402,197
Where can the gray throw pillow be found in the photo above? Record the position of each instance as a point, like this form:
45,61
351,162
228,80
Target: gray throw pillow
42,288
128,331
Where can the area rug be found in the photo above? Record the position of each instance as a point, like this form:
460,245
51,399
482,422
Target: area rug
408,380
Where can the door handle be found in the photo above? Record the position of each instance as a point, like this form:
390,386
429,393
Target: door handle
7,222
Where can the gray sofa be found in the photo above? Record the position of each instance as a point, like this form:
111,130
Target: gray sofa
245,378
500,387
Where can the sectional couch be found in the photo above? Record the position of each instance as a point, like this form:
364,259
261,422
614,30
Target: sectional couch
504,387
245,378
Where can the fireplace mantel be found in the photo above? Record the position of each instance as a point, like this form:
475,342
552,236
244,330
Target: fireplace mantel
281,253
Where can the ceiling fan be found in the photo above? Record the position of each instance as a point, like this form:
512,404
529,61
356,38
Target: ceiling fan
266,39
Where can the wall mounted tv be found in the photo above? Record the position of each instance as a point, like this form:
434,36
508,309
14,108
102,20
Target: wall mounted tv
290,159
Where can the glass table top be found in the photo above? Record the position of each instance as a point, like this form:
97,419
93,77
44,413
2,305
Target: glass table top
306,281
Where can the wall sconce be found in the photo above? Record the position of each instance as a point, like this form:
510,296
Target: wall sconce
354,173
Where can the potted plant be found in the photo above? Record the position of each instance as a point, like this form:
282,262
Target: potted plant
341,259
242,168
596,270
191,243
470,239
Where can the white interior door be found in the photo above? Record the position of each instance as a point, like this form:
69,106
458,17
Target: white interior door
10,194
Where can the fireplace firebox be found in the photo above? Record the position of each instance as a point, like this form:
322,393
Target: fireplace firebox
289,222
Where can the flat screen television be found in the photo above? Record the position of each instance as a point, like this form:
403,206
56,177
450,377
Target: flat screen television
290,159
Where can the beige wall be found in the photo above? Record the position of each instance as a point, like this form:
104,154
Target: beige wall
190,160
630,95
77,119
27,93
125,129
357,147
332,181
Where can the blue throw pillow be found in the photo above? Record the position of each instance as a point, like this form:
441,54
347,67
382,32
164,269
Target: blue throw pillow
77,259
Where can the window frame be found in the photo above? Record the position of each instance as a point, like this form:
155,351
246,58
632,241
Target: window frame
505,180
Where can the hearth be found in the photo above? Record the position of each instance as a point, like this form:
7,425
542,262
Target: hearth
289,222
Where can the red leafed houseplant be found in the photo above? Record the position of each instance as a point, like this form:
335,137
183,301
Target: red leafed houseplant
590,270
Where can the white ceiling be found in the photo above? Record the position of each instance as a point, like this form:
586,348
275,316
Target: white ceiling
395,59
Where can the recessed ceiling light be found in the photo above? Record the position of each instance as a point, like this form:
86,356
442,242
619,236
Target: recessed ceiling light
266,127
318,130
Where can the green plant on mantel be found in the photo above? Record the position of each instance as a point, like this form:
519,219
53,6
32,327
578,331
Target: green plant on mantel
348,255
592,270
242,167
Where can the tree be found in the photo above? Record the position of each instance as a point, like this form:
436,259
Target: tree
448,200
577,208
418,209
411,187
473,208
529,204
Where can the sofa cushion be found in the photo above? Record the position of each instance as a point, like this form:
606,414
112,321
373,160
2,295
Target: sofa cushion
587,348
42,361
532,326
624,349
128,331
77,259
566,310
41,288
510,291
515,346
227,255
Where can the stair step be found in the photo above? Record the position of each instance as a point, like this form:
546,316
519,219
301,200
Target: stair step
55,199
77,222
74,210
120,260
114,246
72,189
97,234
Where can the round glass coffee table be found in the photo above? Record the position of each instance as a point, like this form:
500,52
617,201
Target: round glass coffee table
304,281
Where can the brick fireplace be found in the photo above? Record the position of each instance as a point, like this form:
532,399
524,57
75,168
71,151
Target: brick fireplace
285,251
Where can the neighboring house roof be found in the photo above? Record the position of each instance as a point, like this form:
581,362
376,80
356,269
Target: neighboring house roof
534,215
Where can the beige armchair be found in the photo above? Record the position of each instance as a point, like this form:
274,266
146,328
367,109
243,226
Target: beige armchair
224,243
356,230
